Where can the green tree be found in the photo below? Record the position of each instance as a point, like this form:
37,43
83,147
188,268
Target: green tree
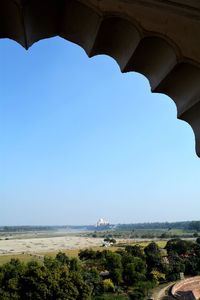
116,275
113,260
179,246
176,266
87,254
93,280
153,257
136,294
63,258
135,250
198,240
134,271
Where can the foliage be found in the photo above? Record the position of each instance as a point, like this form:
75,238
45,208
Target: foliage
130,272
179,246
111,296
194,225
153,257
136,294
157,276
51,280
198,240
135,250
108,285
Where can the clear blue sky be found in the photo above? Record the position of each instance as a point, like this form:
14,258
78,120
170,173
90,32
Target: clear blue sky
79,141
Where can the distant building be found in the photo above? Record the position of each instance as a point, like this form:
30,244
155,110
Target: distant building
102,223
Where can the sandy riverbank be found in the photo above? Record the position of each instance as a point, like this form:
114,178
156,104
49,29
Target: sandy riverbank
36,245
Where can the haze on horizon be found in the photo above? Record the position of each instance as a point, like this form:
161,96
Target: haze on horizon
80,141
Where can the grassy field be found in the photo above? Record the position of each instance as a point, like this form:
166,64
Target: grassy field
22,257
39,256
161,243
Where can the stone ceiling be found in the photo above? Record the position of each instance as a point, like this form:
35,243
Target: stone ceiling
157,38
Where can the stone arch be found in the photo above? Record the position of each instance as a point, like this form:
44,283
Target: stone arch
135,33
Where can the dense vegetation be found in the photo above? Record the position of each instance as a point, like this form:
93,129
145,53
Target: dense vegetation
150,230
184,225
128,273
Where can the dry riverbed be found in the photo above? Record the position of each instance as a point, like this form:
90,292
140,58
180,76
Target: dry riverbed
49,244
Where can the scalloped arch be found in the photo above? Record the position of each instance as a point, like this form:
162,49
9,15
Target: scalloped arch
135,48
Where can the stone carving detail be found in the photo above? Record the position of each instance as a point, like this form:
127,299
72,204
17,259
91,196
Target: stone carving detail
157,38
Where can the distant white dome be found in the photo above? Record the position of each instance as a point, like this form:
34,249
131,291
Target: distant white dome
102,222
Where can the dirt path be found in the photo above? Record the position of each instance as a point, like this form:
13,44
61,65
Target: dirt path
163,292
